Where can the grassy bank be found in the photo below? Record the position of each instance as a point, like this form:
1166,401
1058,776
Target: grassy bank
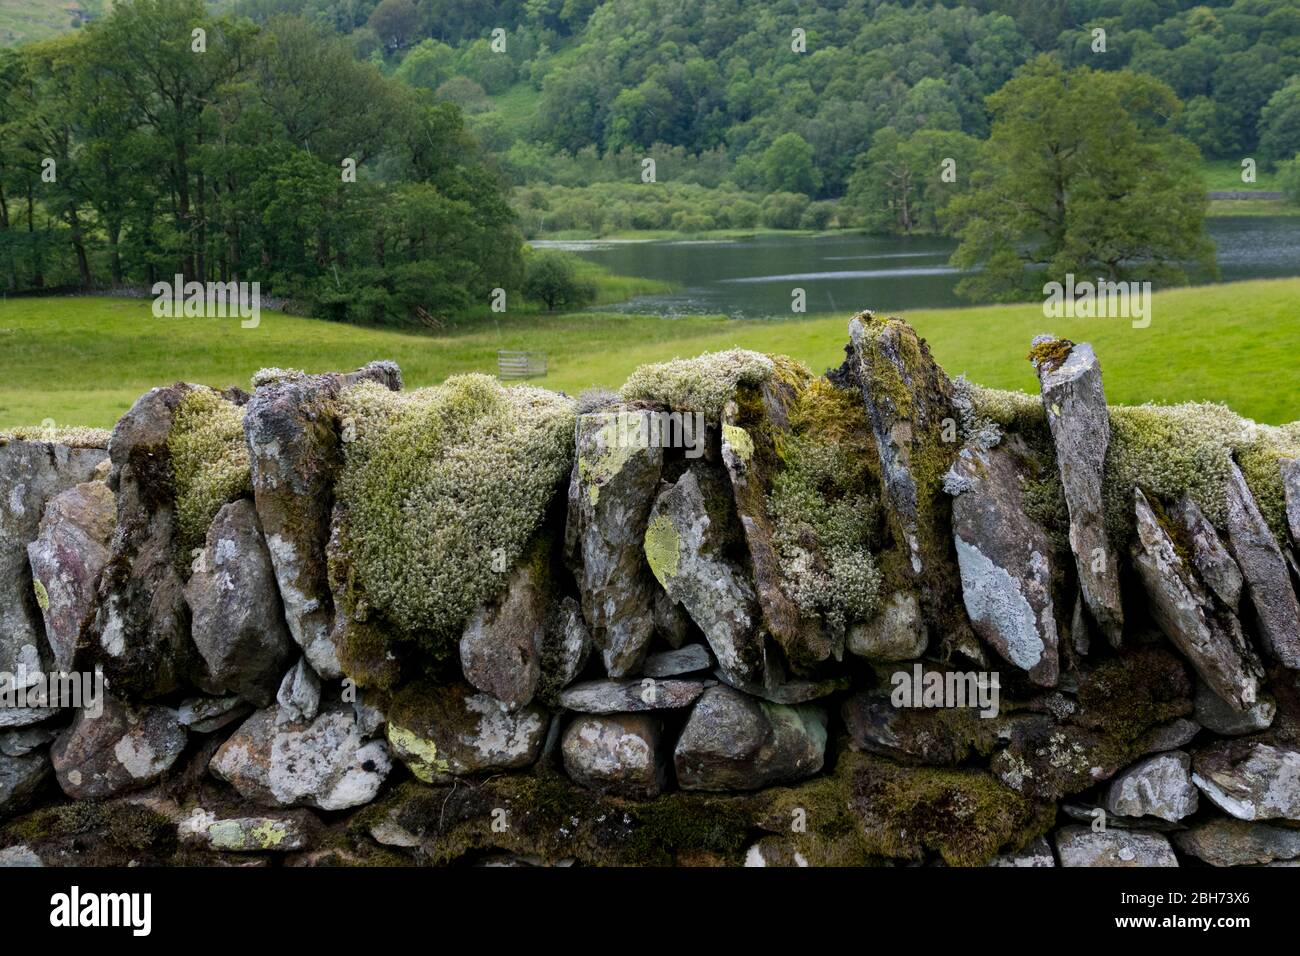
84,360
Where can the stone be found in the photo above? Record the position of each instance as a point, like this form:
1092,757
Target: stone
1081,846
937,737
735,742
619,754
1069,378
327,763
19,855
21,778
443,732
1159,786
610,496
500,647
1209,555
20,742
684,551
1226,842
70,550
1212,640
1250,780
689,659
299,693
1177,733
31,473
896,633
1217,715
204,715
237,619
295,456
1005,560
566,645
1290,468
256,834
777,688
630,696
124,748
672,623
1268,582
1037,854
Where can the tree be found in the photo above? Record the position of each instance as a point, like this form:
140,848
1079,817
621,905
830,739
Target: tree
428,65
1082,174
788,166
395,22
904,184
552,278
1280,123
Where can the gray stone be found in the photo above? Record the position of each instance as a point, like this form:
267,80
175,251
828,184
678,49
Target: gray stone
896,633
20,742
684,553
1159,786
1268,582
451,730
1225,842
1290,468
1081,846
610,495
1209,638
327,763
685,660
672,623
1209,556
1217,715
19,856
566,645
1075,403
237,620
259,834
500,648
777,688
20,778
203,715
938,737
66,558
1250,780
620,754
1177,733
1037,854
295,455
735,742
123,748
299,694
1005,560
630,696
31,473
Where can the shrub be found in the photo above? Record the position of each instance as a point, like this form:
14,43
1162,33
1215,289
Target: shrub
552,279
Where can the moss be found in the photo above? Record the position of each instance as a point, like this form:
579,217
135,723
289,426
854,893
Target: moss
704,384
1129,694
1049,354
437,485
110,833
661,548
209,460
1259,466
42,596
74,437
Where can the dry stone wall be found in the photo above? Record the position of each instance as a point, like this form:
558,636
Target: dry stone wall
737,613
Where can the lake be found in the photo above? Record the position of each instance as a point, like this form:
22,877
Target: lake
754,278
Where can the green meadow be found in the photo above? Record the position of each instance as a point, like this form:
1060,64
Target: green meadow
83,360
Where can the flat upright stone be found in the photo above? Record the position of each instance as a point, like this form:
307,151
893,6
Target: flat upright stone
443,732
610,496
121,749
1290,468
897,632
1159,786
295,455
1005,560
1226,842
735,742
686,660
682,549
631,696
1210,557
500,647
66,558
1268,582
1069,378
31,473
1081,846
620,754
1250,780
1211,639
236,617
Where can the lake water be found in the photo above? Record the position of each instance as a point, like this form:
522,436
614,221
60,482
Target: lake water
753,278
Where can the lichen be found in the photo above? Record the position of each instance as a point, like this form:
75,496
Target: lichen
73,437
209,459
661,548
739,441
1048,353
441,487
704,384
42,596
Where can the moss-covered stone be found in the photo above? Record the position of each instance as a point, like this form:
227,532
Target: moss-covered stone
209,460
704,384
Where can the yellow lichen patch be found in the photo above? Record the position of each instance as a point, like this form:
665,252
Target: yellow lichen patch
42,596
210,465
1050,354
418,753
661,544
739,441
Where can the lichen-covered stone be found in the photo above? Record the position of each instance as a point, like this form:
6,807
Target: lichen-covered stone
251,834
1208,554
1290,468
631,696
685,660
205,715
616,753
236,617
1159,786
501,646
566,645
1037,854
1070,383
66,558
299,692
21,777
1250,780
1082,846
1225,842
1217,715
123,748
897,633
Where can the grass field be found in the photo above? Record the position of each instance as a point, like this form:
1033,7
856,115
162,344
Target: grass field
82,361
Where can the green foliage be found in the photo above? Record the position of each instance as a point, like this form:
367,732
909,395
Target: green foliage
552,278
704,384
437,484
210,465
787,165
898,185
1280,123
